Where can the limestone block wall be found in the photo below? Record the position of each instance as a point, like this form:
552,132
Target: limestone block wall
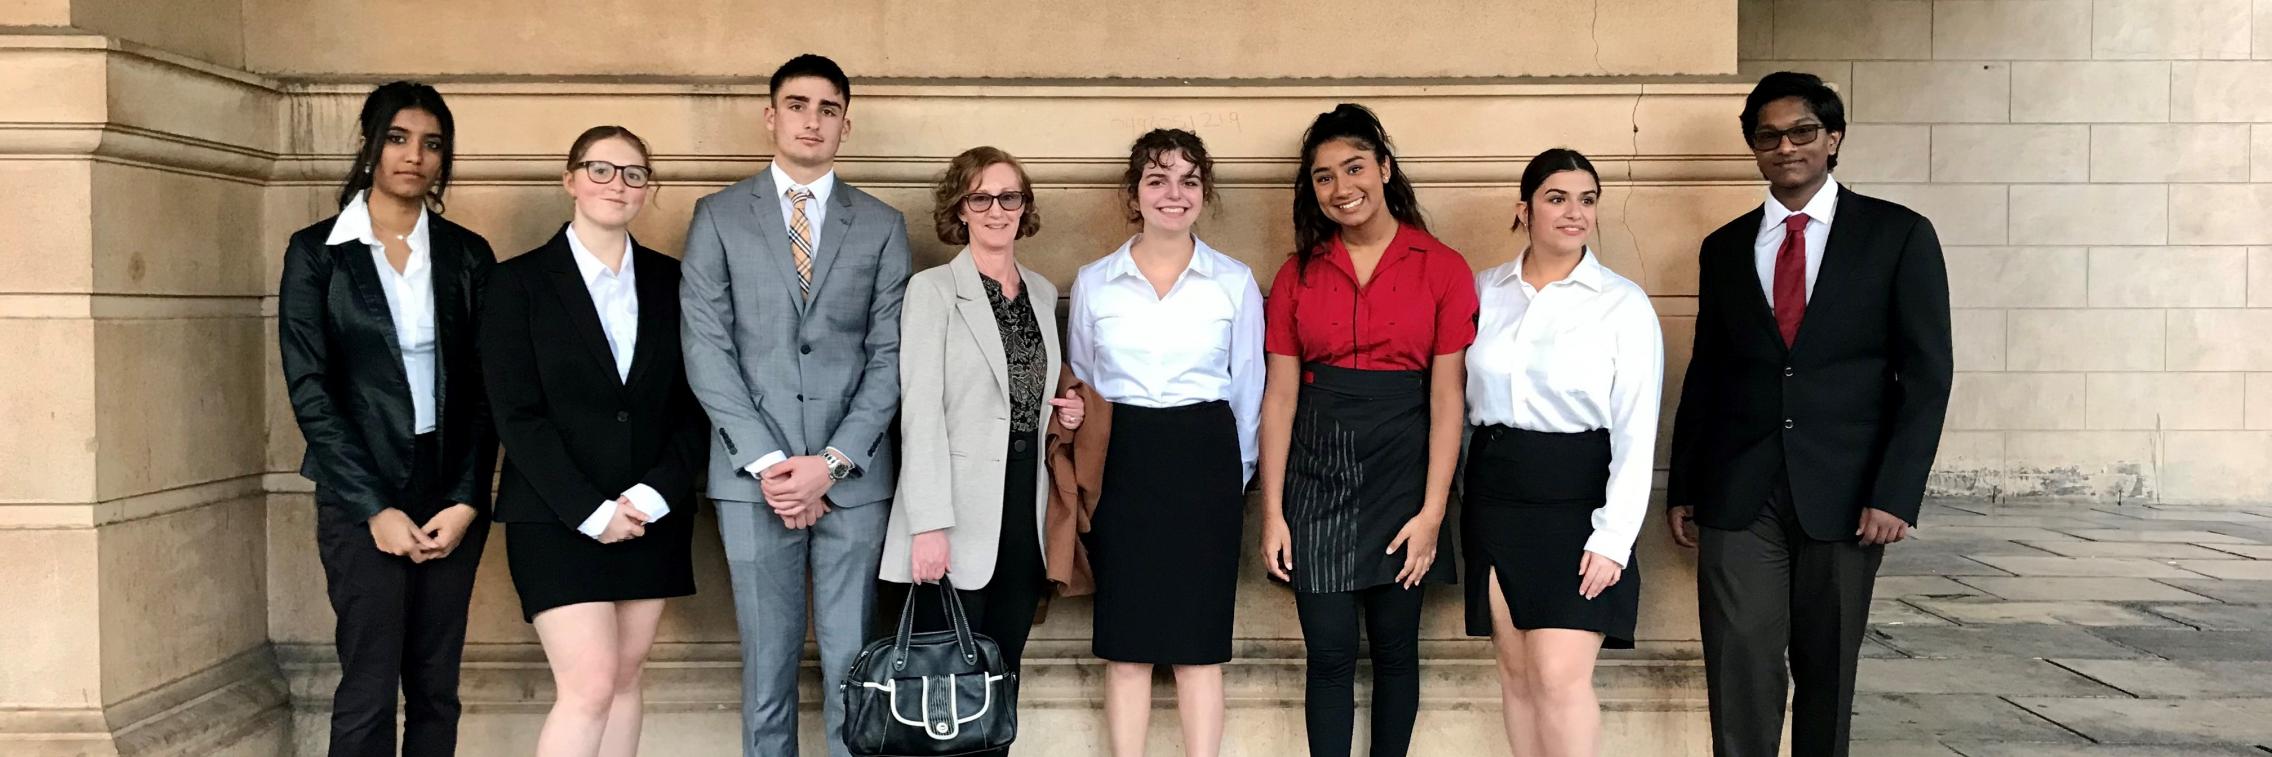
2101,173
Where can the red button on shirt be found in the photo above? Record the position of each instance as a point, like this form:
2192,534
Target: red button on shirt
1419,304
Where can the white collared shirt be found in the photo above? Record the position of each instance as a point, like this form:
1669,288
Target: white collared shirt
1584,353
1200,343
410,300
615,294
816,209
1819,210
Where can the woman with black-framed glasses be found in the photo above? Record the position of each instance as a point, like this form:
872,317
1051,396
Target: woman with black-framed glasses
978,358
603,439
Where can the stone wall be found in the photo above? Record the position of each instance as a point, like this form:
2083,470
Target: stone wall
2101,174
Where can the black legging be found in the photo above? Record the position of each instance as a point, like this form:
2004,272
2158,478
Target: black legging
1329,627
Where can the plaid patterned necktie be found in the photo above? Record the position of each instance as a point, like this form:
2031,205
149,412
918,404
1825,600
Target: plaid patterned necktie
801,238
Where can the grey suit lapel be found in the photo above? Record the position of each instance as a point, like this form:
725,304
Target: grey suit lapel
838,226
773,235
978,316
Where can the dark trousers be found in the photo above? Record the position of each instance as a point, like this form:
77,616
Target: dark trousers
1391,617
1003,609
1769,589
401,627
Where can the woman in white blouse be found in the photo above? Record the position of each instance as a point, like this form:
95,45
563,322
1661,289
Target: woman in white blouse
1170,331
1562,389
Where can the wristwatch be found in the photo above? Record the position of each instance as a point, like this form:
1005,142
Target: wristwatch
838,467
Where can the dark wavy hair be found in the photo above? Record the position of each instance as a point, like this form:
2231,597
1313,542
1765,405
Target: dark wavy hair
1545,165
1357,125
1151,148
958,181
379,109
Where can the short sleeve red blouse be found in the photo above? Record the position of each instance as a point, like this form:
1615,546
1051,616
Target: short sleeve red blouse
1419,304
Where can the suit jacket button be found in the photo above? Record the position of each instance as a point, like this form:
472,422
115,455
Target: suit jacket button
805,350
1787,424
623,416
1787,371
800,398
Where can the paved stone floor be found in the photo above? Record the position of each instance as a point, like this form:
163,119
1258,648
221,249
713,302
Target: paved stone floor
2117,631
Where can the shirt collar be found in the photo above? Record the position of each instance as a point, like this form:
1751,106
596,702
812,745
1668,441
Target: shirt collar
1123,260
1589,273
1820,208
590,266
821,187
354,225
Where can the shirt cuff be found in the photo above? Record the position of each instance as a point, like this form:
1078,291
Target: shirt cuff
757,469
648,502
596,523
1606,544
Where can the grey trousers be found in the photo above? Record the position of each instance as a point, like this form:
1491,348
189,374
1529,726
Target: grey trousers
770,565
1767,590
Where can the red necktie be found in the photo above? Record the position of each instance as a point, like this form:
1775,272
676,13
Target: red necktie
1791,278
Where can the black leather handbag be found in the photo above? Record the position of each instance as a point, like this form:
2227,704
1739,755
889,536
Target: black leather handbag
930,694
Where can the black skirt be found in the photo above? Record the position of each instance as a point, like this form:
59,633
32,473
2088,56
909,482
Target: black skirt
1356,472
1527,513
1164,544
554,565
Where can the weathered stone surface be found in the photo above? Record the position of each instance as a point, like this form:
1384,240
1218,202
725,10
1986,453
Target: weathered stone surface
1972,676
2022,641
2161,679
2159,721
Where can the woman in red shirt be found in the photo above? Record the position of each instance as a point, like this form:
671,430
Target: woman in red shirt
1367,333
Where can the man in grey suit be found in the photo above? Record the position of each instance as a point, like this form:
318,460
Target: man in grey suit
791,295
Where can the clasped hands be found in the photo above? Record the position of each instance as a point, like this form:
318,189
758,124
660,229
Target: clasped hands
396,534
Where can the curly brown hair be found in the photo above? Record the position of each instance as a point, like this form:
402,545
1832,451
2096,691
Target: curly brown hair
1148,151
961,177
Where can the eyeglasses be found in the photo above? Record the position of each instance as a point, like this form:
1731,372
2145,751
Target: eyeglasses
1764,140
977,202
602,172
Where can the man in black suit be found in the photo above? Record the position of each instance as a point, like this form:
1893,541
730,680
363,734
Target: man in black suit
1807,424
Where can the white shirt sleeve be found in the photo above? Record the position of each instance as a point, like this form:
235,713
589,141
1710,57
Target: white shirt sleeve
1080,332
1634,396
1247,370
757,468
648,502
596,523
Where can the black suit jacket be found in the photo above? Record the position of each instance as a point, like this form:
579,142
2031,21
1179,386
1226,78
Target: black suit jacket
575,435
343,370
1851,412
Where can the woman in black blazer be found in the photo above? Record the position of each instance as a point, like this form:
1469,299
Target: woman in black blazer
375,320
602,442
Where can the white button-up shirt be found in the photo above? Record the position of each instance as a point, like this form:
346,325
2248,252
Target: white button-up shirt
1769,245
1201,342
410,300
816,209
615,295
1584,353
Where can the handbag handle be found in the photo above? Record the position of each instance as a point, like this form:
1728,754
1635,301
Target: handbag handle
956,618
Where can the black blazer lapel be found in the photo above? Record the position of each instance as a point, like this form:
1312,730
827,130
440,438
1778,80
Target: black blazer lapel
1744,276
1839,267
658,299
450,265
363,276
576,302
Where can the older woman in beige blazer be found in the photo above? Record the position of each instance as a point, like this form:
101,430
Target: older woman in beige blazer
978,359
